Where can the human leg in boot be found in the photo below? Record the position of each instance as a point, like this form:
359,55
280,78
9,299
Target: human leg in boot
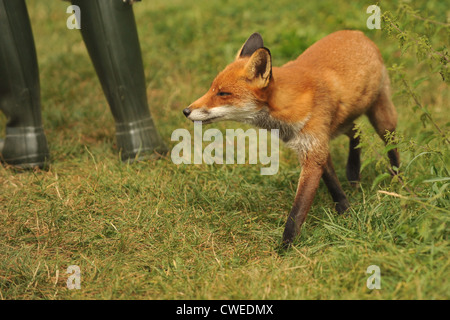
110,34
25,145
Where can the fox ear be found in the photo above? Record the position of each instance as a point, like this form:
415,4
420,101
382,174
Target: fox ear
253,43
259,67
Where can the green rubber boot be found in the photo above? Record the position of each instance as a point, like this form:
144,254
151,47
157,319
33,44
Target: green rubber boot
25,145
110,34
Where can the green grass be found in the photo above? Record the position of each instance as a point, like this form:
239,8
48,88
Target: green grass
154,230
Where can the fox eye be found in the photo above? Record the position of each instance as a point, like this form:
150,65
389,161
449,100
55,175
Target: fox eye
223,94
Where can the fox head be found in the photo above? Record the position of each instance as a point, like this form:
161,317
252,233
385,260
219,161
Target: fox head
239,91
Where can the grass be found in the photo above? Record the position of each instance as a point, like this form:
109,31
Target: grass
154,230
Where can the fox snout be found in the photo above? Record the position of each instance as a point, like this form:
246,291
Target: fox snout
196,114
199,114
192,113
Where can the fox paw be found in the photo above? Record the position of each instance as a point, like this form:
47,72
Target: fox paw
342,206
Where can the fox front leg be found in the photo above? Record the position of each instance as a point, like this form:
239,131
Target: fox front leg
312,170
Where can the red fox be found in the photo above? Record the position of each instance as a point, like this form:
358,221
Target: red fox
310,100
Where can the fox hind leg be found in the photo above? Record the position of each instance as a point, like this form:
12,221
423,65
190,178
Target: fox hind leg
354,158
383,117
